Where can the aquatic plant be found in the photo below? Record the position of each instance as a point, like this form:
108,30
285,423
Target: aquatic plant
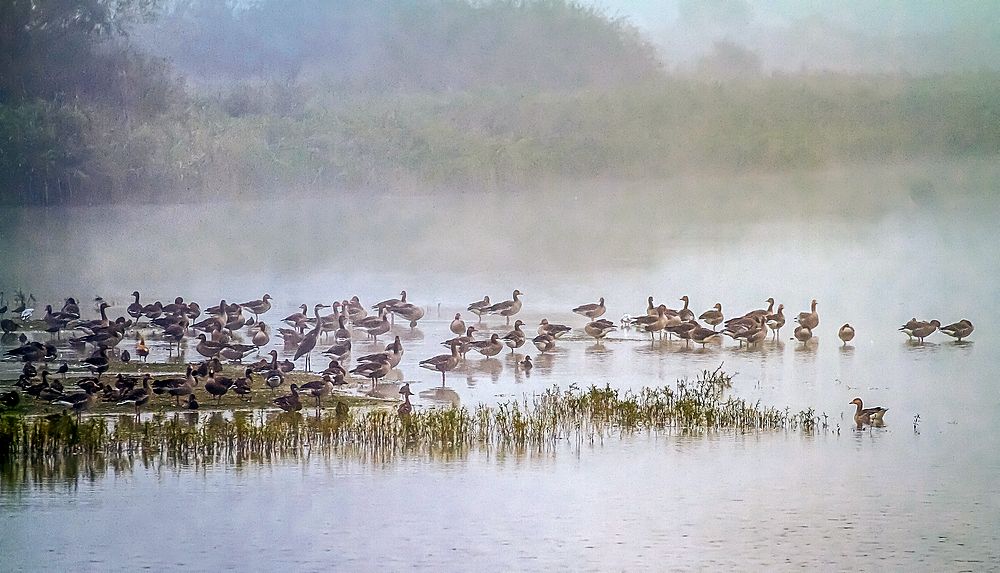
539,423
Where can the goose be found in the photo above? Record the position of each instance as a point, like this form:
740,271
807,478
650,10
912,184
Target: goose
490,347
135,309
78,402
10,400
599,328
208,348
544,342
137,396
507,308
515,338
457,325
273,376
685,313
713,316
869,416
236,320
98,361
373,370
809,319
959,330
8,326
556,330
803,334
152,311
375,326
261,337
846,333
185,388
216,388
591,311
479,308
176,308
526,364
258,307
393,354
925,329
243,386
289,402
318,389
703,335
443,362
341,334
463,342
776,321
760,312
192,402
410,312
354,309
406,407
236,352
339,349
683,330
909,326
296,317
652,324
389,303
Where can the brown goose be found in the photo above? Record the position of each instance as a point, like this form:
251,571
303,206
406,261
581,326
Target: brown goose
544,342
375,326
457,325
803,334
685,313
490,347
704,335
925,329
258,307
479,308
959,330
409,312
809,319
599,328
652,324
137,396
296,317
776,321
443,362
507,308
556,330
289,402
846,333
463,342
868,416
760,312
135,309
318,389
713,316
591,311
515,338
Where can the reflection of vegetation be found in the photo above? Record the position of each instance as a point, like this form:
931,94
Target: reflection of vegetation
578,416
446,108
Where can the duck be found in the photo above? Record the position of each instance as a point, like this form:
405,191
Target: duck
803,334
525,364
776,321
443,362
141,350
713,316
909,326
846,333
289,402
507,308
592,310
809,319
869,416
556,330
192,402
479,308
959,330
406,407
599,328
515,338
457,325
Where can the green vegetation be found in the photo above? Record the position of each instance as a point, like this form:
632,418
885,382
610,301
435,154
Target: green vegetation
541,424
494,94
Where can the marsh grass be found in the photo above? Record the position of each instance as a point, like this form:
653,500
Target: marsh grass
540,423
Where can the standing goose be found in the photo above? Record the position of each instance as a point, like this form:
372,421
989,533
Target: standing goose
556,330
463,342
515,338
409,312
591,311
809,319
507,308
489,348
78,402
443,362
261,336
137,396
846,333
341,334
318,389
457,325
258,307
925,329
296,317
909,326
388,304
480,307
959,330
652,324
713,316
703,335
289,402
685,313
776,321
868,416
135,309
599,328
354,309
373,370
803,334
216,388
544,342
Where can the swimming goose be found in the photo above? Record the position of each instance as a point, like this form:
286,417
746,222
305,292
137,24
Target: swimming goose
289,402
443,362
507,308
846,333
490,347
406,407
591,311
713,316
556,330
776,321
869,416
457,325
479,308
515,338
809,319
959,330
599,328
803,334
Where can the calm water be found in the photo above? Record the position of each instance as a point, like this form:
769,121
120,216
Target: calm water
917,494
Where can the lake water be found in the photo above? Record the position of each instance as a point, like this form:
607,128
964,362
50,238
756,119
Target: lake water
875,248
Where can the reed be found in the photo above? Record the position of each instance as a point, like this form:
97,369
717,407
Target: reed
539,423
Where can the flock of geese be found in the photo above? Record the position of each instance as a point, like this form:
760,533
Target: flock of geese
215,330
